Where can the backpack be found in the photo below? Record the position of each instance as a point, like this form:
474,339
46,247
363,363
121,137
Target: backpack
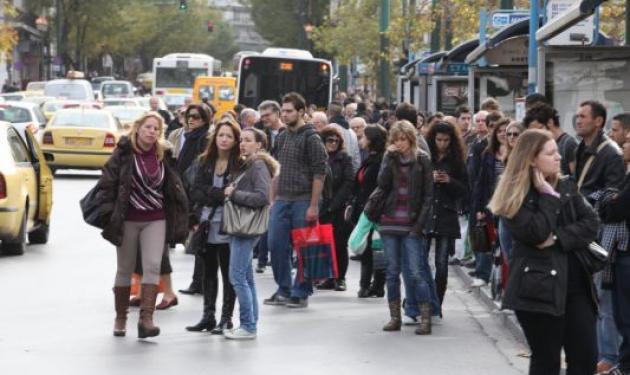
327,192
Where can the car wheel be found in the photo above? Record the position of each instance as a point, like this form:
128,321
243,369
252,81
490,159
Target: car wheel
40,235
17,245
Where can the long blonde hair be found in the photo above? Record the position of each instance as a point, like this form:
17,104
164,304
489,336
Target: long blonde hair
516,179
160,145
403,128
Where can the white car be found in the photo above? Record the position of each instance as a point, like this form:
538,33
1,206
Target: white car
129,102
23,115
71,89
117,89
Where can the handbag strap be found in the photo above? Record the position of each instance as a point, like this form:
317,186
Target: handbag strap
235,182
589,162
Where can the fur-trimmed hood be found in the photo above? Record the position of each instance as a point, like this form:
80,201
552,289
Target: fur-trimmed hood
271,163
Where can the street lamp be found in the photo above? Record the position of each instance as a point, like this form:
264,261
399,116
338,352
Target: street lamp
308,31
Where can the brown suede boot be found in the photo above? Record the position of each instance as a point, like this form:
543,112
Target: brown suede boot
425,319
121,303
395,317
148,295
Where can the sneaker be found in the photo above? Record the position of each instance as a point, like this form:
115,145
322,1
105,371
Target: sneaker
297,303
340,286
410,321
478,283
260,269
276,300
239,334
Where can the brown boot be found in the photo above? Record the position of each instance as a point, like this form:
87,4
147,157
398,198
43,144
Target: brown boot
425,319
148,295
121,303
395,316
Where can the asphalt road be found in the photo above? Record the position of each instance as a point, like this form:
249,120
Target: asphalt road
56,317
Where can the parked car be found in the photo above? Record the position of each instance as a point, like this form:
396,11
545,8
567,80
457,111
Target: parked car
25,191
81,138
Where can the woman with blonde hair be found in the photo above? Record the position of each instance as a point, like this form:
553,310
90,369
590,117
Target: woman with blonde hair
141,188
550,287
406,179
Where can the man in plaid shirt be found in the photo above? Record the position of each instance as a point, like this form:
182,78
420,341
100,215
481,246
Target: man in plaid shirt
296,195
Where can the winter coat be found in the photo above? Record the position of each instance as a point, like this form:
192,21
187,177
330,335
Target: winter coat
253,189
607,169
195,144
616,210
362,190
342,185
538,280
443,219
485,183
420,187
199,180
115,190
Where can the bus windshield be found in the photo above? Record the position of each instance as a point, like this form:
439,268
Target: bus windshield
263,78
178,77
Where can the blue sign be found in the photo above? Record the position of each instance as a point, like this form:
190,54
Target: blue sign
501,19
457,68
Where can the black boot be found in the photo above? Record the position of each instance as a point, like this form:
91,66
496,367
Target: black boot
378,286
197,279
208,322
229,299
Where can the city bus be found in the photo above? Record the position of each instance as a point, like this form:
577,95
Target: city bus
277,71
174,75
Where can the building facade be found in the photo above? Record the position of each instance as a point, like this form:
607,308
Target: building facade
239,16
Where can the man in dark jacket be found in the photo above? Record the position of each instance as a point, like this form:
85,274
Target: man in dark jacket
154,103
599,165
335,115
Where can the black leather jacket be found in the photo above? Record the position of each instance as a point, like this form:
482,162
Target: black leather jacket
607,170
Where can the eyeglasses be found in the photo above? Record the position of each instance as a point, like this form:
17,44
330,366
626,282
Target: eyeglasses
194,116
332,140
513,134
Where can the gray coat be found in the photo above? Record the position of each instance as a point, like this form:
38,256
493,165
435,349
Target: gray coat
253,189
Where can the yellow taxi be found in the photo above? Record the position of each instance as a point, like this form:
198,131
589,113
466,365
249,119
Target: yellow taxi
80,138
25,191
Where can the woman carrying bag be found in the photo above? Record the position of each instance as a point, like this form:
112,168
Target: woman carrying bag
144,193
210,174
550,287
251,189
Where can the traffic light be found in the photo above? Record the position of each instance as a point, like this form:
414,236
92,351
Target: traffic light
210,26
183,5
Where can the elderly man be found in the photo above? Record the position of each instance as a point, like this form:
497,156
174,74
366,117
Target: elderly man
357,125
154,103
249,117
319,120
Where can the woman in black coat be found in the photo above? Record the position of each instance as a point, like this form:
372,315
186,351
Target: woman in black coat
374,140
450,185
333,207
550,287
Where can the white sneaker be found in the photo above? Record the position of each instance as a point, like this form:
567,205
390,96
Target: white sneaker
410,321
477,283
239,334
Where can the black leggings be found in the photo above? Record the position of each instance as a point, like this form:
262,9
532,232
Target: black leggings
341,231
575,332
214,257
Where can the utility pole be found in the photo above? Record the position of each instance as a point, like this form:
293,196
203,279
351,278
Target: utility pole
532,56
627,23
384,60
435,34
59,16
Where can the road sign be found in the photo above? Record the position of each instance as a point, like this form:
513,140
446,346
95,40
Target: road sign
504,18
456,68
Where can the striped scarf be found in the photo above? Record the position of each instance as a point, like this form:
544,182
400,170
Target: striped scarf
146,187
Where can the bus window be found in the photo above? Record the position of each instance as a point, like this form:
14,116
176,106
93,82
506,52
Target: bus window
226,93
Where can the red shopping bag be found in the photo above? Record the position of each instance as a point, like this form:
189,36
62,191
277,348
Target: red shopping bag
315,250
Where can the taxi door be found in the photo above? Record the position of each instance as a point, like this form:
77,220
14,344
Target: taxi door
44,179
25,174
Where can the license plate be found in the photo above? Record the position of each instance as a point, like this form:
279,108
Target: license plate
76,141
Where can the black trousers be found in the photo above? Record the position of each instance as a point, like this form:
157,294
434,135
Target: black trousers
341,231
214,257
575,331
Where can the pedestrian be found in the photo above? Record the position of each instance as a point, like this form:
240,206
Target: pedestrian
421,120
141,185
154,105
332,210
490,105
210,175
248,118
406,111
491,167
605,170
357,125
406,178
296,198
177,122
464,120
335,115
620,128
450,185
192,142
372,282
549,287
251,188
351,144
615,211
544,116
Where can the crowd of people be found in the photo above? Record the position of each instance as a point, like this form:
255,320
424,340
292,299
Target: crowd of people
424,182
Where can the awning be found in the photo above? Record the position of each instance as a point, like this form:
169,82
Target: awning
568,18
460,51
517,28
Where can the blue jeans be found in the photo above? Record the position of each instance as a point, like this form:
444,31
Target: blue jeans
408,253
285,216
607,334
621,306
242,279
263,251
505,240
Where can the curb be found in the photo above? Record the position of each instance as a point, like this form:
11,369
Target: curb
507,317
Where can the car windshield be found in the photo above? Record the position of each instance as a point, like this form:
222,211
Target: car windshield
129,103
14,114
67,90
81,119
115,89
127,114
